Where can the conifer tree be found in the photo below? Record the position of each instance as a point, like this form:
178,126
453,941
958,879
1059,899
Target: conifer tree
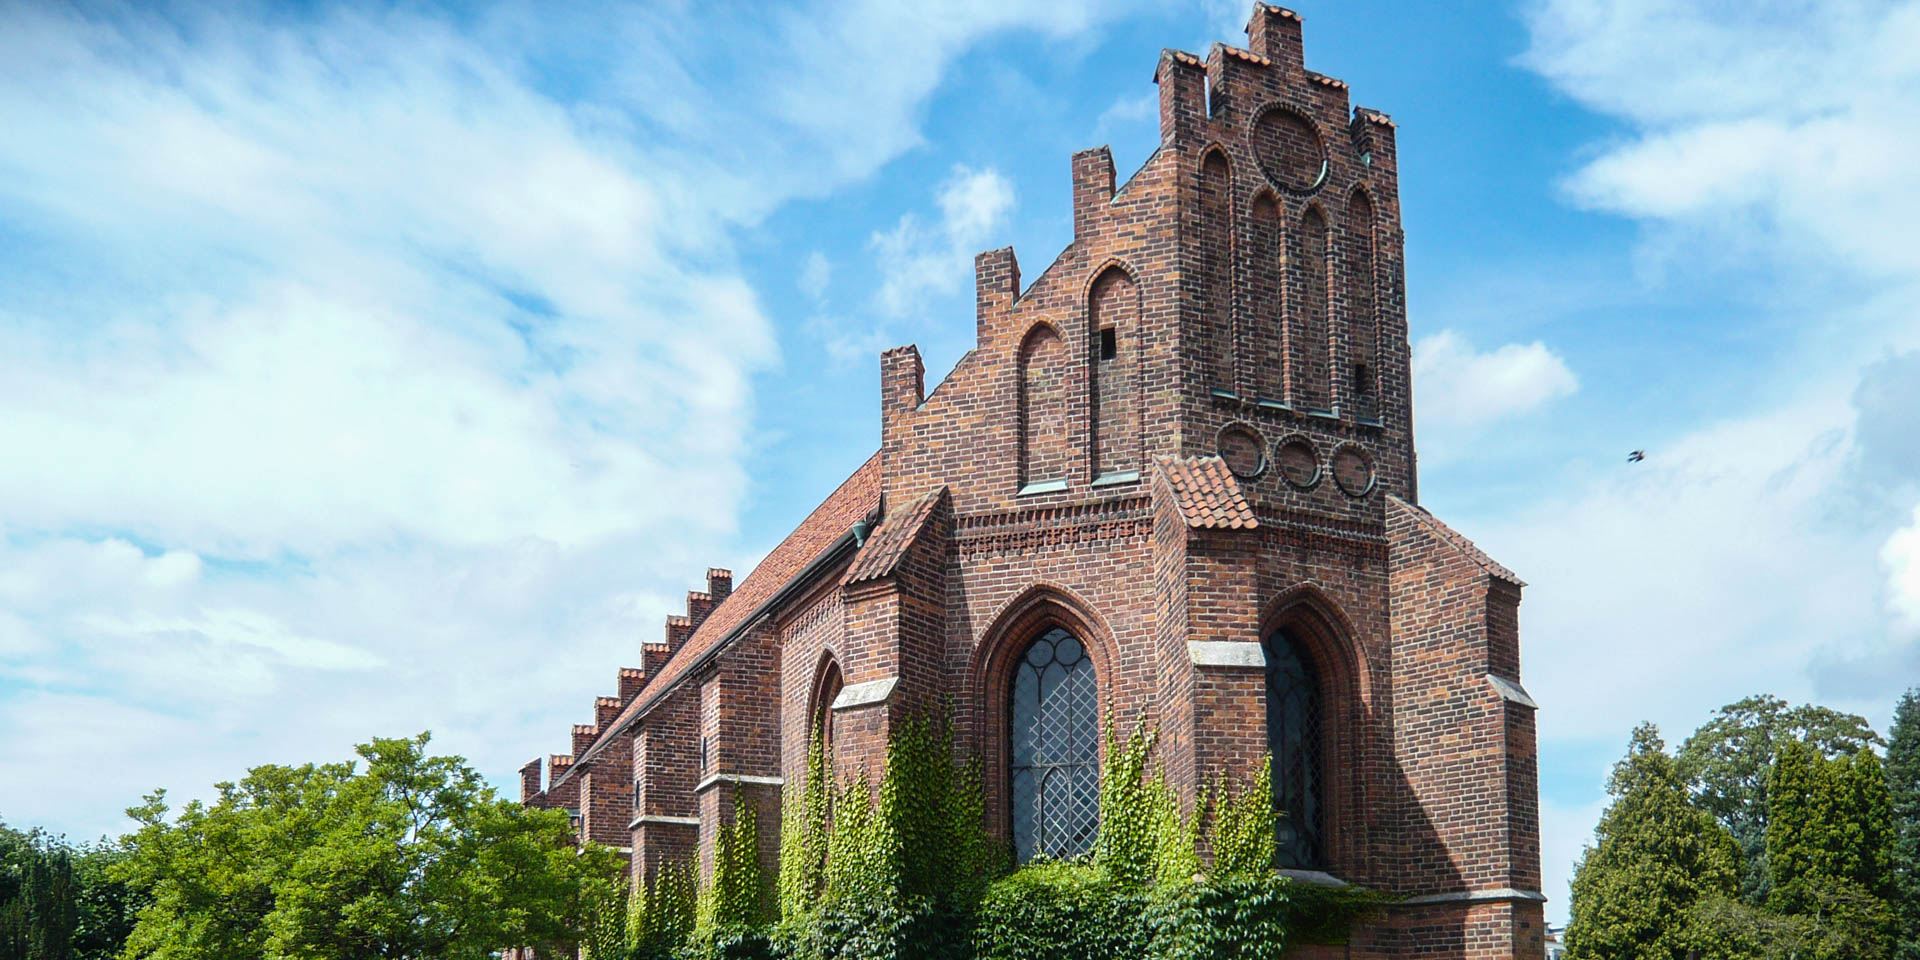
1829,847
1903,787
1657,858
1794,850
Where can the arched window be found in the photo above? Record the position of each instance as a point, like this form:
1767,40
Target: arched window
1262,345
1307,343
831,684
1363,363
1044,453
1113,313
1055,758
1216,258
1293,736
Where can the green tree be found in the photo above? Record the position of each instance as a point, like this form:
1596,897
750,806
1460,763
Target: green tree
1658,857
1903,787
1727,763
38,917
411,857
1829,848
59,901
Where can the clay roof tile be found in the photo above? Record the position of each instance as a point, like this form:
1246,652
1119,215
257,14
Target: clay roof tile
1207,493
888,545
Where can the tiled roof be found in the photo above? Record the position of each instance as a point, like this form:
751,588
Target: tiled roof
1453,537
1208,494
889,544
856,498
1373,116
1244,54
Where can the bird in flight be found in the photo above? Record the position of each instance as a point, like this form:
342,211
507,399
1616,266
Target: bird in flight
1636,456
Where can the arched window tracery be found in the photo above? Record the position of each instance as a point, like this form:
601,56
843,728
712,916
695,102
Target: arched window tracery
1054,760
1295,739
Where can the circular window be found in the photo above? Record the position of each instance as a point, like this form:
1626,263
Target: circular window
1299,462
1353,471
1290,150
1243,450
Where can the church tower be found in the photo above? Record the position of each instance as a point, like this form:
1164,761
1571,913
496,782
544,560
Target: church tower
1293,334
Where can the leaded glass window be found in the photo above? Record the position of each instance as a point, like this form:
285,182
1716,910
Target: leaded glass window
1293,736
1055,768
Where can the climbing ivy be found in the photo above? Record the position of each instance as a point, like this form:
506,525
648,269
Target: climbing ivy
1127,846
804,822
735,894
1244,818
660,912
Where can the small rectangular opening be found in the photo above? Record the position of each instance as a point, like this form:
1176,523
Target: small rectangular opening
1109,346
1362,379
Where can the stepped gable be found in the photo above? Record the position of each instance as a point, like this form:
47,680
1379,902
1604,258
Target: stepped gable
857,498
889,544
1457,540
1207,493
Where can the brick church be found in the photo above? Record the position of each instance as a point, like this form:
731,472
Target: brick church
1174,480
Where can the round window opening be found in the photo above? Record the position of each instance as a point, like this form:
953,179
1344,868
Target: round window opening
1353,471
1290,150
1300,463
1243,450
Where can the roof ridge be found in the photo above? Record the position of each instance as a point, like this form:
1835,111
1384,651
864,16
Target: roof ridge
1458,541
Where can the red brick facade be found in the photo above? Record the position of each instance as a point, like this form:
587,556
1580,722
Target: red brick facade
1190,433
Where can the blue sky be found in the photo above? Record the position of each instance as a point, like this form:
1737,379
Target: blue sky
376,369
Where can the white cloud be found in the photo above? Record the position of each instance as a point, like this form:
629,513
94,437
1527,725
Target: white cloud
1128,112
1458,387
1901,556
1776,124
917,260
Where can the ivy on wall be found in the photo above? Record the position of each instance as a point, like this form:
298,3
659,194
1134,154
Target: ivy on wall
904,870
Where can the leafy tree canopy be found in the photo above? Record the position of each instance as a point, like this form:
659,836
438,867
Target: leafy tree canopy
409,857
1728,760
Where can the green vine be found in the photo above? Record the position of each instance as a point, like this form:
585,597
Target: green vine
660,912
1244,818
805,820
735,895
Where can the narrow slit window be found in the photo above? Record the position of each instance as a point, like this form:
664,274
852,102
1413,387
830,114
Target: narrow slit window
1109,345
1362,379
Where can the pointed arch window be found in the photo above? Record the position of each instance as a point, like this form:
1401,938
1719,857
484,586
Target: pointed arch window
1294,738
1055,756
831,683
